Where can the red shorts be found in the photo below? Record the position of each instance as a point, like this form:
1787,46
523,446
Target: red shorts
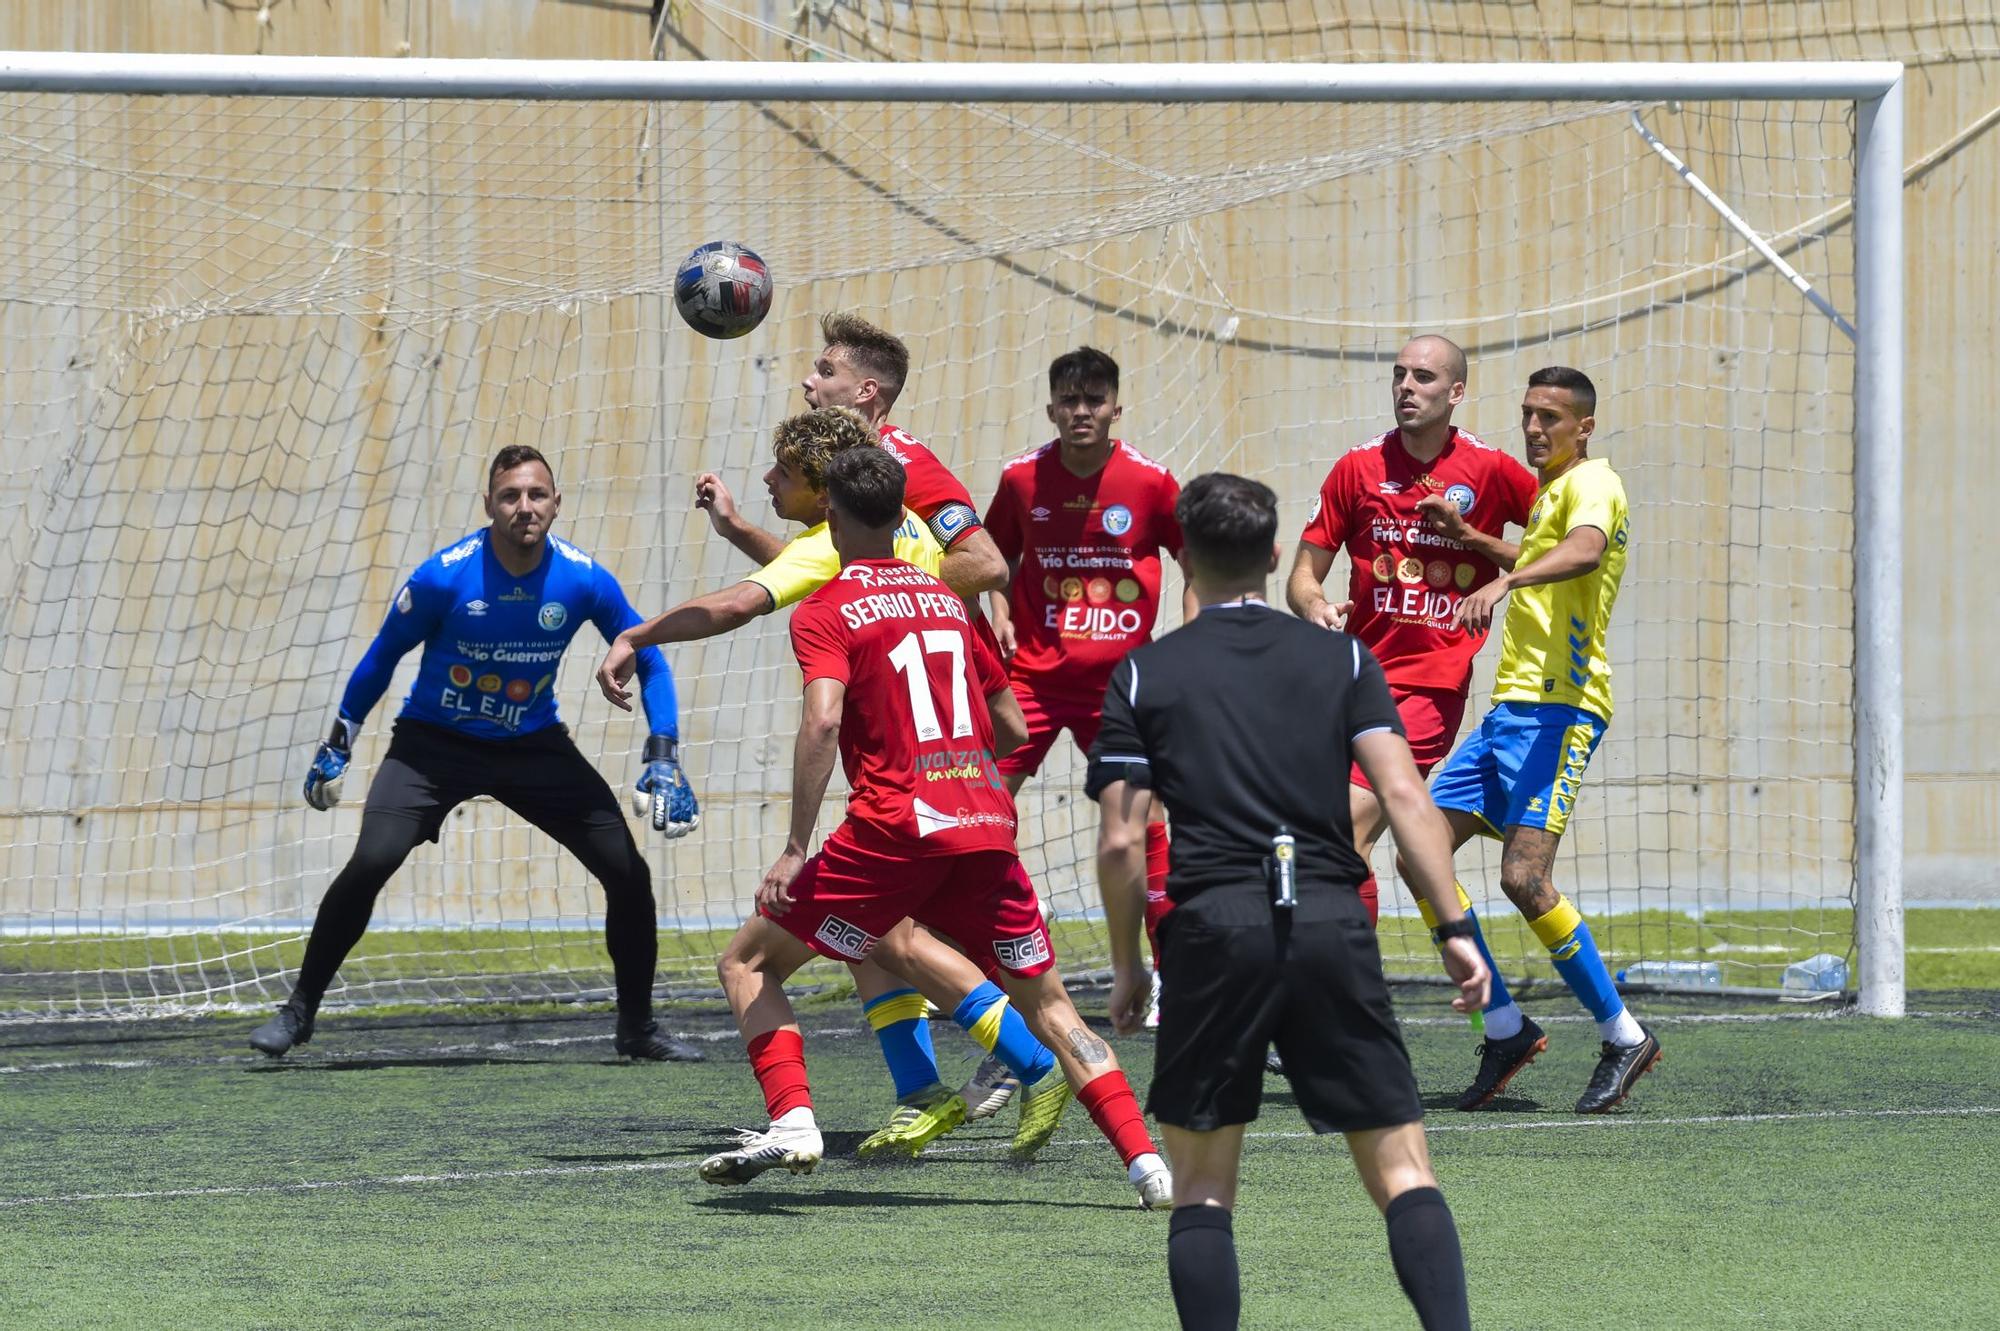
1430,723
847,896
1047,718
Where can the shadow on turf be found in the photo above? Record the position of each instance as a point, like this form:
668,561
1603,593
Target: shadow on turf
805,1201
380,1064
1436,1100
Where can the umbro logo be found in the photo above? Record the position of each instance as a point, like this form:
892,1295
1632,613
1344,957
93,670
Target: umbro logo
1390,487
1038,513
475,607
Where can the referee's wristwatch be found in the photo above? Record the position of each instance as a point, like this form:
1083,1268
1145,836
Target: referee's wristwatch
1462,927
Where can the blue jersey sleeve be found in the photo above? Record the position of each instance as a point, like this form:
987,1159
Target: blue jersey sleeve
414,616
656,678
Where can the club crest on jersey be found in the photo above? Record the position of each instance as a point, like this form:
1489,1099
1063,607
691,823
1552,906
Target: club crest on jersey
1024,953
1462,497
552,616
850,941
1117,520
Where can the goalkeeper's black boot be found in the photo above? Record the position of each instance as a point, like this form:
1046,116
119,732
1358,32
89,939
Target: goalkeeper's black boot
1499,1060
645,1039
1618,1066
292,1025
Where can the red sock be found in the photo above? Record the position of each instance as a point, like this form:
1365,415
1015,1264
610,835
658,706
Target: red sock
1116,1112
779,1060
1371,897
1157,904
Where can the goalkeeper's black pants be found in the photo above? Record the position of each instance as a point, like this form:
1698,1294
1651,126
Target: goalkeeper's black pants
428,772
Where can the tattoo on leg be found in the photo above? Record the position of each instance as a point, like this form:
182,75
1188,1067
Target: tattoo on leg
1087,1047
1525,860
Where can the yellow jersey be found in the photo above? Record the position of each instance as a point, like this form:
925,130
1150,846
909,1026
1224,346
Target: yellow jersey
1552,648
810,561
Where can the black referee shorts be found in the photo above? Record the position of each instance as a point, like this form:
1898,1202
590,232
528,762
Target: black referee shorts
543,776
1236,979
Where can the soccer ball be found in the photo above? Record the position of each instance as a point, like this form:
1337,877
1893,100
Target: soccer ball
723,289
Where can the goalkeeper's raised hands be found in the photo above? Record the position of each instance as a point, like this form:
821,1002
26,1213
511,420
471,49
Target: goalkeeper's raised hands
662,792
329,765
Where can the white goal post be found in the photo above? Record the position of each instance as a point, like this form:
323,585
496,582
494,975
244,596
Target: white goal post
38,870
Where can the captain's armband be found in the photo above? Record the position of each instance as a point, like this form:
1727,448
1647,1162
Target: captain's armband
952,521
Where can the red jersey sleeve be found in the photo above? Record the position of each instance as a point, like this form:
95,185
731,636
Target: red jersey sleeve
1003,519
1326,524
819,642
1169,525
928,484
987,668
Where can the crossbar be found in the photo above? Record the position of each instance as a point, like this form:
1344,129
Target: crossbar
781,80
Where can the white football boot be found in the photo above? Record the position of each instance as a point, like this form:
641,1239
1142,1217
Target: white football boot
795,1148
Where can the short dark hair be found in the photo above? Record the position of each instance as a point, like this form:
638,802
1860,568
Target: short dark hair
1575,382
1229,523
1086,367
866,484
878,354
512,456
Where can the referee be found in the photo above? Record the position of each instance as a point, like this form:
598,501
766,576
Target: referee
1245,723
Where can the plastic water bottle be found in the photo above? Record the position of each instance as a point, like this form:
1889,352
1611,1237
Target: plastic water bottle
1679,974
1824,973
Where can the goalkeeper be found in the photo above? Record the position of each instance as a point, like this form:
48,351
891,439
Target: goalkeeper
494,613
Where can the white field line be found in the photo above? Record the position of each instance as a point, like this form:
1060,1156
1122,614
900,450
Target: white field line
334,1057
357,1055
1975,948
668,1166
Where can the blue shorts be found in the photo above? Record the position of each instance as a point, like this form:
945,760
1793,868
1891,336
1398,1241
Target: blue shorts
1522,767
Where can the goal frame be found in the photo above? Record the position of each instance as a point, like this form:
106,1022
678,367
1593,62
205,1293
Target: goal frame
1874,88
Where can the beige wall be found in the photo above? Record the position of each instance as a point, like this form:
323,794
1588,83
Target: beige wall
416,392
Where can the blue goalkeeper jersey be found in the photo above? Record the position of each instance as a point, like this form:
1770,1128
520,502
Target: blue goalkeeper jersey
492,641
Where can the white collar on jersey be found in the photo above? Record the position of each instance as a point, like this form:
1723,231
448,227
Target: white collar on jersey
1247,599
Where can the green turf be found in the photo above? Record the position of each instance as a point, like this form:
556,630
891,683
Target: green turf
1948,948
1801,1172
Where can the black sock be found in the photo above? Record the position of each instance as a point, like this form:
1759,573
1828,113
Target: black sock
1201,1266
1423,1243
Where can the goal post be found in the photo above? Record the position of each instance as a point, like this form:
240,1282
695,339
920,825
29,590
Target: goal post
269,316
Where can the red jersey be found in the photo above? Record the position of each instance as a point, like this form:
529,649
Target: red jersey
929,488
915,738
1087,590
1406,580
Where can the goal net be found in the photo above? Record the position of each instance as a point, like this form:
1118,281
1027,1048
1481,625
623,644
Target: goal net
258,352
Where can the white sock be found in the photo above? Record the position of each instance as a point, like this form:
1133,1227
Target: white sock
1504,1023
801,1117
1143,1165
1622,1030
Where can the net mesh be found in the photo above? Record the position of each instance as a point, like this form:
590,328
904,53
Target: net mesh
259,352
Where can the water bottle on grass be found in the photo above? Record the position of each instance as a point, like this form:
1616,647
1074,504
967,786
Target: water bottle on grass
1676,974
1822,974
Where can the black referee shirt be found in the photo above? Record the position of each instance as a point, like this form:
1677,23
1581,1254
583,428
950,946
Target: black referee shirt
1241,722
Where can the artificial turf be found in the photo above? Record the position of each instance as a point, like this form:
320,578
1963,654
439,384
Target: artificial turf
1782,1168
84,973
